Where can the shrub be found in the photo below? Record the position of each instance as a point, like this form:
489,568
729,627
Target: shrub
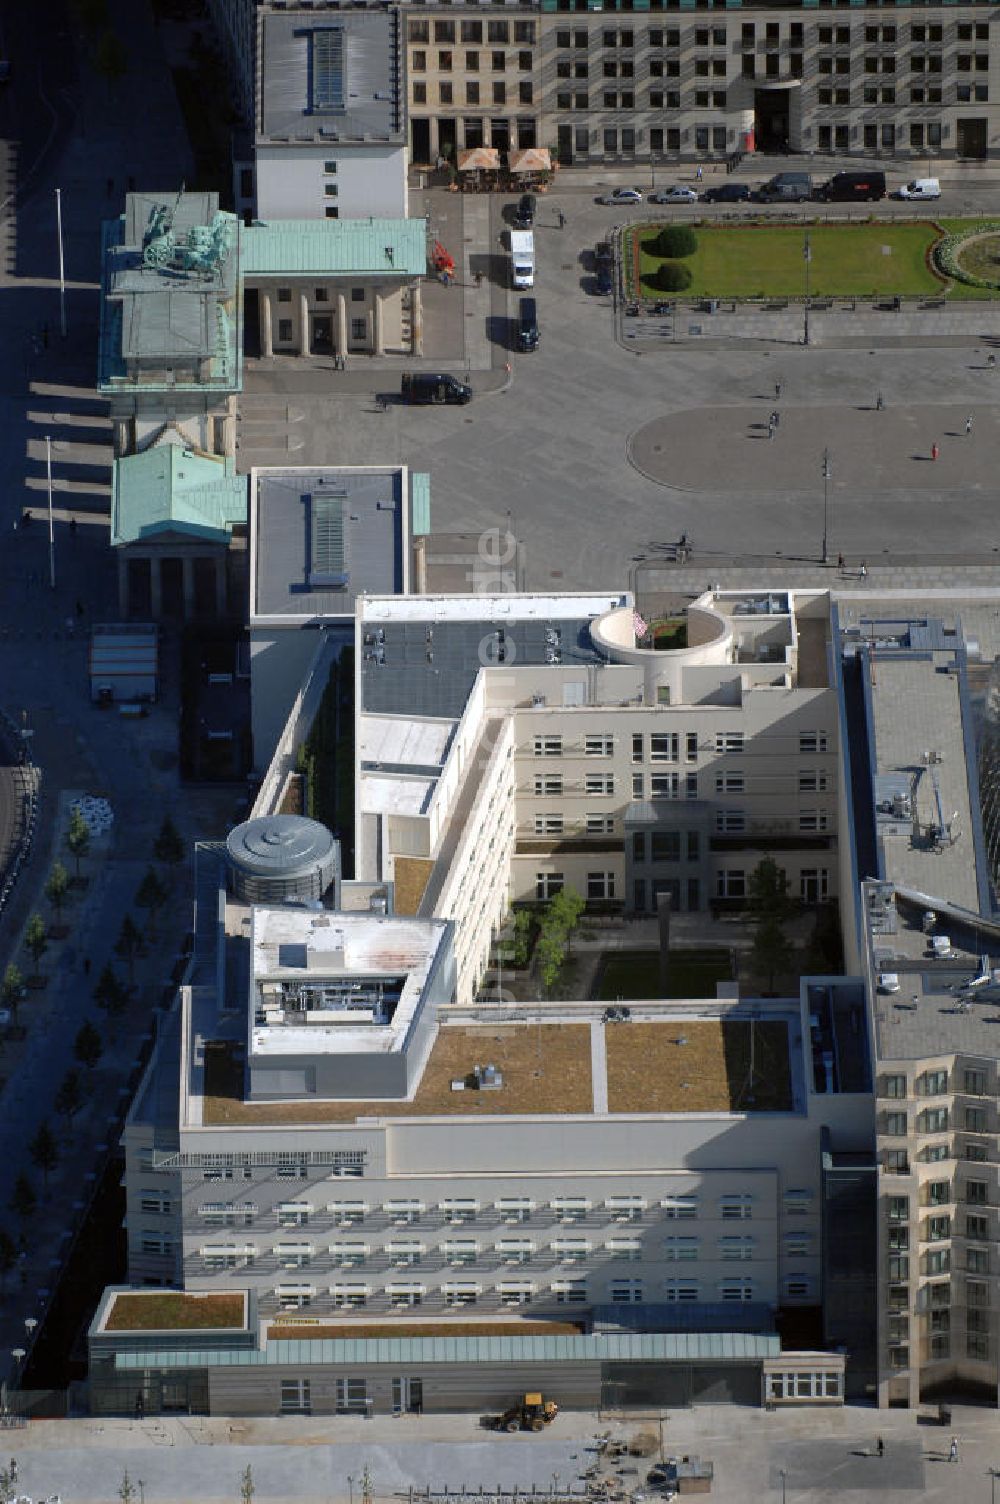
672,276
676,240
946,253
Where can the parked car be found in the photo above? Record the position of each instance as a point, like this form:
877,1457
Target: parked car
425,386
727,193
621,196
920,188
786,187
524,214
844,186
527,324
675,195
604,281
603,255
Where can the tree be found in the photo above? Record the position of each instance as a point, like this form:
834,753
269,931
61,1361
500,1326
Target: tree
110,994
44,1152
126,1489
129,945
247,1489
168,847
151,895
551,953
564,912
35,938
524,932
767,892
772,951
77,839
8,1256
12,989
57,886
88,1046
69,1098
23,1200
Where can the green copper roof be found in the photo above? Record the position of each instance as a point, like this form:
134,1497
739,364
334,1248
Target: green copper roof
170,489
420,502
317,247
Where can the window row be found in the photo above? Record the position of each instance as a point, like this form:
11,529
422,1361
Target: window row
770,33
458,1293
499,93
516,1209
814,884
472,32
499,61
410,1252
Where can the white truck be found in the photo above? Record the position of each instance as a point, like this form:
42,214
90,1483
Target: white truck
522,258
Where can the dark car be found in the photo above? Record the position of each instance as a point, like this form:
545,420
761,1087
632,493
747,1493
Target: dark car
727,193
424,386
524,214
844,186
527,324
603,279
602,253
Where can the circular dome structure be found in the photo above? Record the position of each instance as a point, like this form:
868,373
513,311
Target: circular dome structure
282,857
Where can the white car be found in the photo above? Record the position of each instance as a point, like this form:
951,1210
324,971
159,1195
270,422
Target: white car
920,188
675,195
888,981
621,196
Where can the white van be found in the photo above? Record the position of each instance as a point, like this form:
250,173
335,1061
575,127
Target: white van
921,188
522,258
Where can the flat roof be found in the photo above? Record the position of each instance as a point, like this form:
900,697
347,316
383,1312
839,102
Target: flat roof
365,59
305,948
396,795
322,535
526,607
174,1310
383,248
545,1068
404,741
699,1065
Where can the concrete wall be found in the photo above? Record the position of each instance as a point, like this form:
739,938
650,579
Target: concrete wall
279,662
370,181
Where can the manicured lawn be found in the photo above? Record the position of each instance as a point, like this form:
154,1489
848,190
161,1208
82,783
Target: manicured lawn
847,261
635,974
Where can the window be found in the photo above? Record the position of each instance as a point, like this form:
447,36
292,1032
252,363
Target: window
499,93
933,1120
285,337
600,825
730,821
348,1254
550,784
219,1256
729,741
515,1250
294,1255
974,1082
976,1226
156,1243
899,1266
977,1260
735,1248
349,1297
938,1261
602,745
498,31
899,1208
663,746
736,1289
403,1297
472,31
665,846
548,746
459,1209
404,1253
444,31
938,1192
471,93
663,785
975,1120
157,1201
292,1213
813,819
897,1161
569,1292
637,785
444,63
938,1229
691,746
419,94
680,1290
548,825
515,1292
976,1193
548,884
418,62
797,1245
730,884
625,1292
681,1250
680,1208
599,783
570,1208
736,1208
893,1086
293,1297
296,1398
571,1250
797,1203
934,1083
626,1250
352,1394
459,1293
358,330
812,781
460,1250
418,31
347,1213
729,783
626,1208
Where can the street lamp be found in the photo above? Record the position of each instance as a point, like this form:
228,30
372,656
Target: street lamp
350,1485
826,502
807,259
30,1323
994,1475
782,1475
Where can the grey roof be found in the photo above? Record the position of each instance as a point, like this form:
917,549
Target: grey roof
412,668
367,48
650,1347
279,845
291,579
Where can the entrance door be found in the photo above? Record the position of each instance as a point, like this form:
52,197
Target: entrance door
971,138
564,137
500,134
447,138
770,111
408,1396
420,141
321,341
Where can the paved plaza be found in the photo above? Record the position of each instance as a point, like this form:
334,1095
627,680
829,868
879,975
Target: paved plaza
824,1456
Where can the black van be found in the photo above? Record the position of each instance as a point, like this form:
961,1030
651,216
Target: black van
527,324
788,187
422,386
859,185
524,214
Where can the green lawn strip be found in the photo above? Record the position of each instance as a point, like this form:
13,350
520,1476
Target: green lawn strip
635,974
768,262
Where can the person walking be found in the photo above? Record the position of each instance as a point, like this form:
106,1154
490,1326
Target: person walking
840,562
968,425
879,1447
991,361
777,391
879,404
770,427
699,175
562,220
863,571
953,1450
935,451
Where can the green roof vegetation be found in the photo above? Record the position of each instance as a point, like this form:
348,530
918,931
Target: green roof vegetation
173,1311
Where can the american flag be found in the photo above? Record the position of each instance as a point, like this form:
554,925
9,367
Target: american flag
638,625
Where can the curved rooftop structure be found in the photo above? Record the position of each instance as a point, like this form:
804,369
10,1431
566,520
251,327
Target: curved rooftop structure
282,857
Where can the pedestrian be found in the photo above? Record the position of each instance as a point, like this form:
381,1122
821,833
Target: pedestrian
777,418
343,362
479,279
562,220
879,404
968,425
879,1447
840,562
777,391
770,427
699,175
12,1470
935,451
863,571
953,1450
991,360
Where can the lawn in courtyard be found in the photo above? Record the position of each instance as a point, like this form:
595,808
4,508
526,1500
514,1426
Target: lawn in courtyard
767,261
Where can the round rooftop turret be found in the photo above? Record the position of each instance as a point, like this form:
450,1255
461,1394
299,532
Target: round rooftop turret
282,857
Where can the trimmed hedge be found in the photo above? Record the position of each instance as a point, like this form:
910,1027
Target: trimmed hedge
676,240
672,276
945,256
